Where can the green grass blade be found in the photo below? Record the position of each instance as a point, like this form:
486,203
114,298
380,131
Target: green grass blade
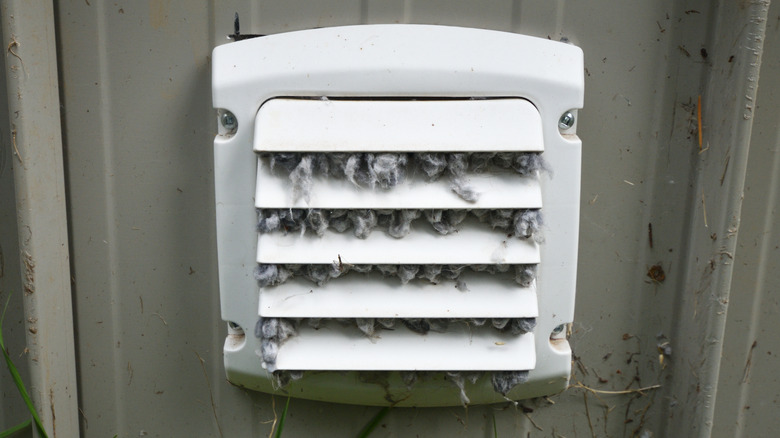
18,379
373,423
8,432
281,419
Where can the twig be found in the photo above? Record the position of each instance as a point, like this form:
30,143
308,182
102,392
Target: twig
273,426
606,406
704,210
311,291
723,251
460,420
580,365
642,418
587,414
10,49
725,168
628,409
84,416
16,149
161,318
532,421
626,391
746,373
698,118
211,393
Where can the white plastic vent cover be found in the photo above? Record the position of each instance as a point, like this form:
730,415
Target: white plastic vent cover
378,194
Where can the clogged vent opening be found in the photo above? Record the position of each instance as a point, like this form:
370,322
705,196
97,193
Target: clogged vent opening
399,236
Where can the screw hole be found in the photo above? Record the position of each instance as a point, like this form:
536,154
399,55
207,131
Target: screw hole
235,329
559,332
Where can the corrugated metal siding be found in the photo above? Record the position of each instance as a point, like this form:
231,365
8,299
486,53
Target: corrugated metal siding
13,410
749,389
138,132
136,92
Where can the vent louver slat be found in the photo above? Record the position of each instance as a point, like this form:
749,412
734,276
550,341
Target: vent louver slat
398,126
357,297
460,348
469,246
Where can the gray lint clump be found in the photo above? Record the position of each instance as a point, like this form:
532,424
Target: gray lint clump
284,161
459,378
363,222
268,275
272,333
458,164
366,325
283,378
387,170
522,223
525,274
302,178
409,378
504,381
400,222
432,164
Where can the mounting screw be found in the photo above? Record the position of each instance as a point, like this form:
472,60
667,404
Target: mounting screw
566,121
228,121
559,329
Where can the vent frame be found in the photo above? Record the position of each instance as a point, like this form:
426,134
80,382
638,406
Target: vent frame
365,62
